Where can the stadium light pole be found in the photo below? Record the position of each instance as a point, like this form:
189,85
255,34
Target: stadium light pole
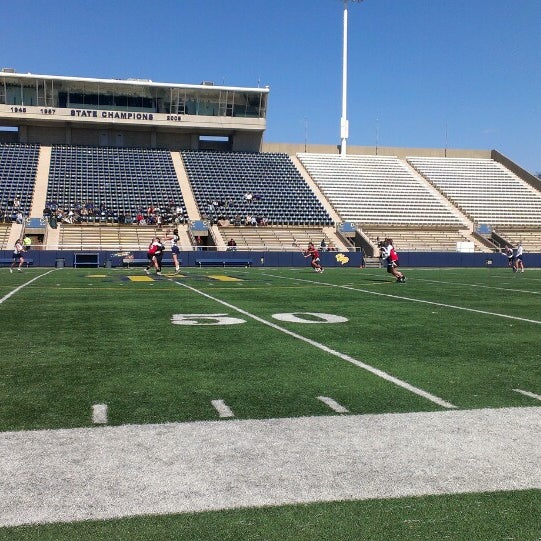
344,123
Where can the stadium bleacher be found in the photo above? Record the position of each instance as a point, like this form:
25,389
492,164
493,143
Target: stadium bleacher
233,185
274,238
18,165
115,182
483,189
530,237
4,236
123,238
377,190
421,240
382,195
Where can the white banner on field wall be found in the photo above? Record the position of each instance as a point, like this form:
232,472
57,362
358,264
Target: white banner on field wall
465,247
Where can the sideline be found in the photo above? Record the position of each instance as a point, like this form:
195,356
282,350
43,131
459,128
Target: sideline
376,371
111,472
401,297
17,289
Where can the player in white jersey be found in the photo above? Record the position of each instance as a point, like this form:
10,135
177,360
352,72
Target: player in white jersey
174,238
18,252
518,263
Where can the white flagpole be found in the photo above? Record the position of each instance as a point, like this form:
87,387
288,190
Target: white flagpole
344,123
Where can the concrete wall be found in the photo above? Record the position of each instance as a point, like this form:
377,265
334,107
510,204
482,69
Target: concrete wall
124,137
400,152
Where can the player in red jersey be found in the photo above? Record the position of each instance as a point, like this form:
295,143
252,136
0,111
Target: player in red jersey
391,259
314,254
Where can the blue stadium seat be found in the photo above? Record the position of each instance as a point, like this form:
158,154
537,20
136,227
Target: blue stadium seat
227,176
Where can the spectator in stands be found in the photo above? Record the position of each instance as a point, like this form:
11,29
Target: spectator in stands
27,243
231,245
175,250
323,246
391,260
518,263
19,217
363,258
179,215
18,252
16,202
248,196
380,245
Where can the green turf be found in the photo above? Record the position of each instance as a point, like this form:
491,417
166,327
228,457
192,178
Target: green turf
469,517
74,338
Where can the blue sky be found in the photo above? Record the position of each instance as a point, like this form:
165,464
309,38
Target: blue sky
422,73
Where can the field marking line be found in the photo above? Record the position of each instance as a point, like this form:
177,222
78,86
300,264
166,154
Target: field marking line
17,289
109,472
528,393
376,371
480,286
333,404
401,297
224,411
99,414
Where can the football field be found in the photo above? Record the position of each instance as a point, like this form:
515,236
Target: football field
270,403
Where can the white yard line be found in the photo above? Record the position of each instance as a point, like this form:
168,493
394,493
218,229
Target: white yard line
479,286
411,299
99,414
528,393
106,472
333,404
376,371
222,408
17,289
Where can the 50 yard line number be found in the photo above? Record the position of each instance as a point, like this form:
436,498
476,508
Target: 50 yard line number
225,319
322,347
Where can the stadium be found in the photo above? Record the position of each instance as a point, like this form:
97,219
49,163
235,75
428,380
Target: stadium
246,397
99,167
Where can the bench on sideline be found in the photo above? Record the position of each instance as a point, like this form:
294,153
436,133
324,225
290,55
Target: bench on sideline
9,260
